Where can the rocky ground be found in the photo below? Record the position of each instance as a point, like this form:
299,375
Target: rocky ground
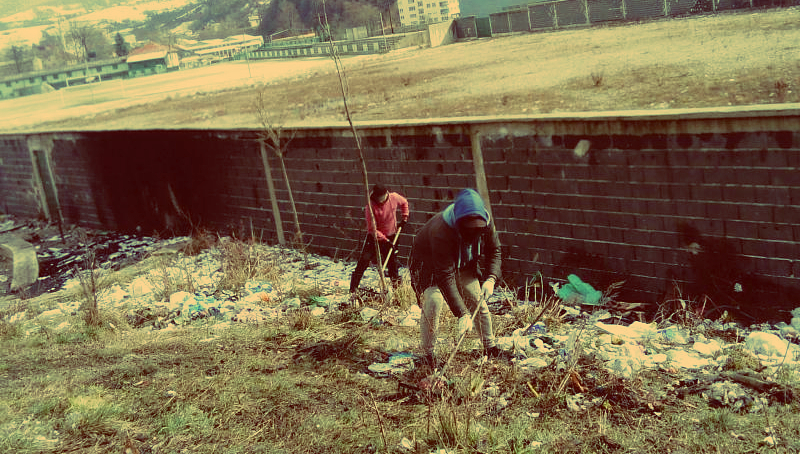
170,284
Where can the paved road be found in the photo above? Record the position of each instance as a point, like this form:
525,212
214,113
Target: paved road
19,113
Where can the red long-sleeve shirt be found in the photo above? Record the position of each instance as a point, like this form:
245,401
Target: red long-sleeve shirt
386,215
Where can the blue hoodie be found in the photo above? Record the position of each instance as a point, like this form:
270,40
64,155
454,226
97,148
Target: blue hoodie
467,203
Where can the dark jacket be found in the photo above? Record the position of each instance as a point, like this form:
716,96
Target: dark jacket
439,253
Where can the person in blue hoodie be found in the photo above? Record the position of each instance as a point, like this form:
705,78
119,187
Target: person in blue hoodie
455,259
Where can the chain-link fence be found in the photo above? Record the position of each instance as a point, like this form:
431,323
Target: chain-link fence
574,13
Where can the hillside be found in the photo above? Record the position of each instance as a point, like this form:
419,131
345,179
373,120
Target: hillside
731,59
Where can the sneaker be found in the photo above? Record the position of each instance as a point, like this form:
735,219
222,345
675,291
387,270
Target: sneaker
497,352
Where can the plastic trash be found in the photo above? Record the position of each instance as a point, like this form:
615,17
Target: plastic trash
368,313
578,291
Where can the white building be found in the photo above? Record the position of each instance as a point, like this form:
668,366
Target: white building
221,48
413,12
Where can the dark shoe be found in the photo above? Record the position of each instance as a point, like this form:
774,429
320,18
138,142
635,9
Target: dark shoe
497,352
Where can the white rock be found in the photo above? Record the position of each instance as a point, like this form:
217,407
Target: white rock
367,313
707,349
536,362
766,344
680,358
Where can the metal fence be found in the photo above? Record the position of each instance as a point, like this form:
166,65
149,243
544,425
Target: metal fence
573,13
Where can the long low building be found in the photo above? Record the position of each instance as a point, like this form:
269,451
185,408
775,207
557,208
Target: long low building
151,59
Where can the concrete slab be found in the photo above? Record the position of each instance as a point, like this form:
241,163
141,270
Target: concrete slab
25,265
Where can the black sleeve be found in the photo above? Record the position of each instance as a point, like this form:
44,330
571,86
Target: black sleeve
491,260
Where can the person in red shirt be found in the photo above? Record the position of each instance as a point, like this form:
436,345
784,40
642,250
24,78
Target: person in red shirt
384,206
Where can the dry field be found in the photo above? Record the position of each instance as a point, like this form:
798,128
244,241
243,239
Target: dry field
736,58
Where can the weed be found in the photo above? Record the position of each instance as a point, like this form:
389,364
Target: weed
243,261
740,359
781,90
8,330
302,320
597,78
186,420
717,421
92,415
201,240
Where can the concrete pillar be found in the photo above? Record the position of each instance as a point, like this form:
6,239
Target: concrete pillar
25,265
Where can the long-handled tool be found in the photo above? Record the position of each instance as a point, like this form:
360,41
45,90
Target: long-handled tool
481,301
391,249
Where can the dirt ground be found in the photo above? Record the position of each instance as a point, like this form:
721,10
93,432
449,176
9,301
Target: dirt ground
734,58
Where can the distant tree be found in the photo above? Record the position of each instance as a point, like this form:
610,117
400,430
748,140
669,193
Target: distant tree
121,48
18,54
51,52
281,15
85,39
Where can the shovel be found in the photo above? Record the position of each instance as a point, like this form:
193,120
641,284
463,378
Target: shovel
391,250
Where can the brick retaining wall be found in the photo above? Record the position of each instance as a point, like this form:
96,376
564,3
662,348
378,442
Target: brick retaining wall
707,199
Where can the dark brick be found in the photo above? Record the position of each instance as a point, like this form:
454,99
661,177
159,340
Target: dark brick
661,207
621,220
636,175
657,175
784,177
684,140
609,157
627,142
640,268
787,214
725,175
752,212
599,248
583,232
609,234
520,184
690,209
772,195
775,232
737,193
722,210
633,236
645,222
677,192
571,216
705,158
741,229
706,192
664,240
677,158
649,254
635,206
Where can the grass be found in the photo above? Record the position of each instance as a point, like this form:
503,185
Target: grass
299,384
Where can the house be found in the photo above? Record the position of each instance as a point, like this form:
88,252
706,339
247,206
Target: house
151,58
35,82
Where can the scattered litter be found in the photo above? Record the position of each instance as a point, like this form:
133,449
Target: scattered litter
579,292
397,364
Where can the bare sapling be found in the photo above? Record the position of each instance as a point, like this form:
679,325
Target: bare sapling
271,135
343,84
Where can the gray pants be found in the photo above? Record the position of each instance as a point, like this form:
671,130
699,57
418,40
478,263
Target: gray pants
433,301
